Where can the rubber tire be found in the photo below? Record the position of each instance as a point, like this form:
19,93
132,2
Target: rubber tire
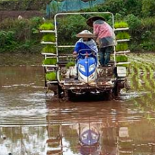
108,95
60,92
116,89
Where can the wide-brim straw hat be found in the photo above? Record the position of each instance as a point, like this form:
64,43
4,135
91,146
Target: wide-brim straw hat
92,19
85,34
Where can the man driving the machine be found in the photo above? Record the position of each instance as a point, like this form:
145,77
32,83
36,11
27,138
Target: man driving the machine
85,44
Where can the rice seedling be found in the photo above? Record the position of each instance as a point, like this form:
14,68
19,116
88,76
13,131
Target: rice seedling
137,83
150,73
50,61
122,35
71,63
123,65
121,58
120,24
47,26
49,38
145,78
49,49
132,69
144,71
51,76
122,47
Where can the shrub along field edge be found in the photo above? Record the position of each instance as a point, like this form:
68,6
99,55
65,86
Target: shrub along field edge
22,35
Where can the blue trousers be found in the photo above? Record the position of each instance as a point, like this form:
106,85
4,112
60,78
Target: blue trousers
104,54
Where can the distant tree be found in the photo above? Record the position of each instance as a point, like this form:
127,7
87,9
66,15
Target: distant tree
133,6
148,7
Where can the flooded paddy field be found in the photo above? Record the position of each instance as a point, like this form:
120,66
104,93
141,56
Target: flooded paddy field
35,123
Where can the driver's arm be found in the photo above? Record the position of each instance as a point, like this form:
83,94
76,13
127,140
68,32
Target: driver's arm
74,54
76,49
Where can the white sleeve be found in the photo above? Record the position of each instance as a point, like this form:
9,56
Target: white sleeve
94,46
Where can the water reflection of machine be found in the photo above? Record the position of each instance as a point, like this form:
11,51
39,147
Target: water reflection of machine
97,130
54,141
89,141
81,138
90,150
124,142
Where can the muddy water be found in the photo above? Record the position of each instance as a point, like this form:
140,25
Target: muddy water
32,123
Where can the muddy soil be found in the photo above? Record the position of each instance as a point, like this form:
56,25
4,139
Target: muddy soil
18,59
33,122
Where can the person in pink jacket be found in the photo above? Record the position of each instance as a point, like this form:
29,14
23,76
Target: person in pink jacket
105,38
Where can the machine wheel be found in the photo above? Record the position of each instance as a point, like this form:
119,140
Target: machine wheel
60,92
116,89
108,95
71,95
52,87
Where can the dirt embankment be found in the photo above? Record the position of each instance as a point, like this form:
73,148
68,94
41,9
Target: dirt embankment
25,8
24,14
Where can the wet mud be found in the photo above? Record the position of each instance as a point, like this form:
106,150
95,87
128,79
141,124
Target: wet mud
35,123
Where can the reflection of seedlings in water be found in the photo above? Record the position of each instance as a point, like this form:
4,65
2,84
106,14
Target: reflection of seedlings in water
144,104
149,103
139,106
